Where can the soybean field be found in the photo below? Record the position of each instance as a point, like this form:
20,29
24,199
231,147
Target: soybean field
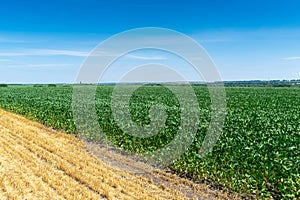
257,154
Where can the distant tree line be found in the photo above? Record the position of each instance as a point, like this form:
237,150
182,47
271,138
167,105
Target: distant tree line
3,85
259,83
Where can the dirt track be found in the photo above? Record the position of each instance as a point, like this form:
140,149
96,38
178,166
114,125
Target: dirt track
39,163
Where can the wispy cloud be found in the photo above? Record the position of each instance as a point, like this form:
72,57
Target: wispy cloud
252,35
292,58
17,40
5,60
45,52
146,57
37,65
48,65
8,54
216,40
63,52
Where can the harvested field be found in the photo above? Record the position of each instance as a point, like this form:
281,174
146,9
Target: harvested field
39,163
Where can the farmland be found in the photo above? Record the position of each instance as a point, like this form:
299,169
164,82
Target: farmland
40,163
257,154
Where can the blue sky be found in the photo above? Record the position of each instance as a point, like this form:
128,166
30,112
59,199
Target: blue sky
45,42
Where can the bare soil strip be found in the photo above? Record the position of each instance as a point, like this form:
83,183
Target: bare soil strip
37,162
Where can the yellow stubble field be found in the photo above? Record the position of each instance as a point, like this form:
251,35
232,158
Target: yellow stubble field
37,162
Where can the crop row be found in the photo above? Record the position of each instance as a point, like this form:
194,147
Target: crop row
258,151
37,162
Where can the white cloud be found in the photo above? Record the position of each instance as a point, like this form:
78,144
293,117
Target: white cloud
14,40
253,35
48,65
5,60
216,40
18,65
292,58
62,52
146,57
45,52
